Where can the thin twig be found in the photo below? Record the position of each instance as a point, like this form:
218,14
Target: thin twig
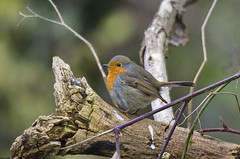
57,11
222,122
35,15
117,145
199,121
233,94
204,58
202,102
229,130
88,139
62,23
172,129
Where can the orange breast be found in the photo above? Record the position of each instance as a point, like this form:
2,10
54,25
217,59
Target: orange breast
113,71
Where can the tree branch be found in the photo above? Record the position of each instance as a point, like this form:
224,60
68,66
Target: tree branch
227,129
167,20
62,23
204,59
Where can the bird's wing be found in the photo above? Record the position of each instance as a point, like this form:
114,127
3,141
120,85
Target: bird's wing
142,85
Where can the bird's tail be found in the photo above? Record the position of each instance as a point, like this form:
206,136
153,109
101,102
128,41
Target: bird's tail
177,84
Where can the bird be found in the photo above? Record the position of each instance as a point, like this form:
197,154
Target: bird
132,87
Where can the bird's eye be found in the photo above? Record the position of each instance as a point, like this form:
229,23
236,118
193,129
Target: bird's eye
119,65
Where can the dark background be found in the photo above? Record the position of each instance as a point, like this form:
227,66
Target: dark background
26,51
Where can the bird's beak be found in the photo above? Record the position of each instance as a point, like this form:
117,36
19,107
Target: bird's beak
105,65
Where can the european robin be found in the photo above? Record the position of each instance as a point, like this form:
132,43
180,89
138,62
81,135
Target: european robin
132,86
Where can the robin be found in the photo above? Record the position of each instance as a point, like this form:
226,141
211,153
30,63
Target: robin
132,86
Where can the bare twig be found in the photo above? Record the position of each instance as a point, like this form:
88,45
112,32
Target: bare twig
117,145
224,128
230,93
57,11
204,58
35,15
62,23
202,102
227,129
222,122
88,139
172,129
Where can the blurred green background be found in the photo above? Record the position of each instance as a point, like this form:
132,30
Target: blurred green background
113,27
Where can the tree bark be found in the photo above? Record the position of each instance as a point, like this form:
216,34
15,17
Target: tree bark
81,114
166,27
